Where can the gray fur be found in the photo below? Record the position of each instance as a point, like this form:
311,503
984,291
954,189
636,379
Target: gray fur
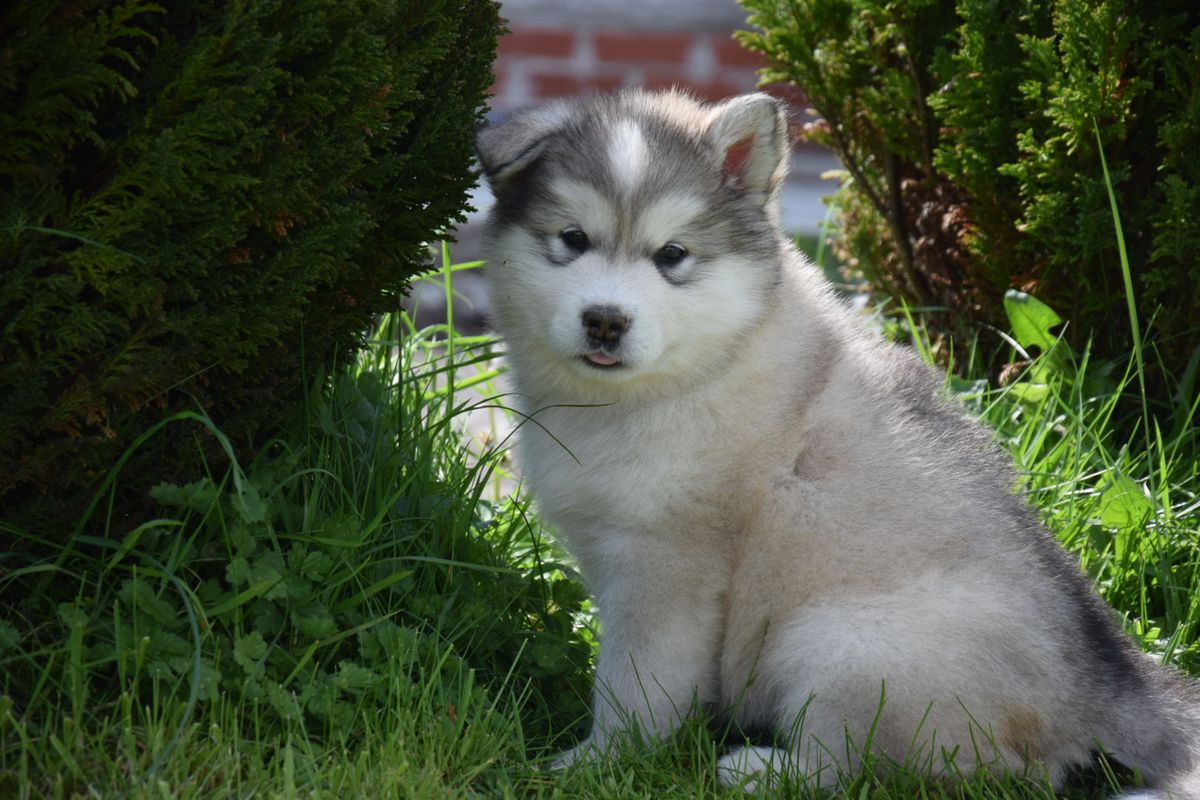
778,512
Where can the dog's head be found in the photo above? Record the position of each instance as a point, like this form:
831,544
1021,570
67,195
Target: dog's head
634,236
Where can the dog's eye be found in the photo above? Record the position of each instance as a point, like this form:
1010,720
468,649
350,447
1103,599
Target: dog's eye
575,239
670,254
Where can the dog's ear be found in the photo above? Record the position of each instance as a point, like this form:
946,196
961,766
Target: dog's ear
750,136
508,147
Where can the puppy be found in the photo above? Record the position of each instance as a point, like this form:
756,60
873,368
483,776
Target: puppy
779,516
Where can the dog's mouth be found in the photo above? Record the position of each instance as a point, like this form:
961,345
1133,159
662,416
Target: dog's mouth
601,359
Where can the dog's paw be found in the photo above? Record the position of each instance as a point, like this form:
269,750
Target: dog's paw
582,752
749,767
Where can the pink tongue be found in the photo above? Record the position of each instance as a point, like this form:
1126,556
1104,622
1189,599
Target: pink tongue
603,359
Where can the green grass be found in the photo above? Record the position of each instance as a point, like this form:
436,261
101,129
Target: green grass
361,612
354,607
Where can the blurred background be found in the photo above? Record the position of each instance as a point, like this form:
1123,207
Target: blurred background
567,48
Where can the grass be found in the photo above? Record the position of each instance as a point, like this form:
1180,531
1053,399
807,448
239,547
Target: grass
362,611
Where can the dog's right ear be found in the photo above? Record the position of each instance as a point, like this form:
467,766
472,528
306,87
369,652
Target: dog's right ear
750,136
508,147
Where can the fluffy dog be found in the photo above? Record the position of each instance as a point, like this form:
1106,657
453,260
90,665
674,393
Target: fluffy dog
777,512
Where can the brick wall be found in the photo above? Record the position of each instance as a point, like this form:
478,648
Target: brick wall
537,63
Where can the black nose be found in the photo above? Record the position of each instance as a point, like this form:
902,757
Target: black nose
605,323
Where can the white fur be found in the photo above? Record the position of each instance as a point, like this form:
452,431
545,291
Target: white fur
747,766
768,530
659,346
627,154
668,217
582,204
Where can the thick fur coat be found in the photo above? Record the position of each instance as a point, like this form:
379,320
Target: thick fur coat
778,513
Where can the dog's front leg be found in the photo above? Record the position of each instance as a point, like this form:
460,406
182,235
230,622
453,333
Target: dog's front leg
661,625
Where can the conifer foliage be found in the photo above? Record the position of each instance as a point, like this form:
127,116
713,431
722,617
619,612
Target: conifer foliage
969,129
202,202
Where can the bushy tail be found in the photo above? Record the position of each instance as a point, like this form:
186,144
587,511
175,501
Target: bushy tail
1186,789
1158,733
1183,787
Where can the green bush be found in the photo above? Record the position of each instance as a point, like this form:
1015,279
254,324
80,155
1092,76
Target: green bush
200,203
970,131
358,550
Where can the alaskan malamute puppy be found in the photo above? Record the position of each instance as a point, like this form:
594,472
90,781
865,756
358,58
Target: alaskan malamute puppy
779,515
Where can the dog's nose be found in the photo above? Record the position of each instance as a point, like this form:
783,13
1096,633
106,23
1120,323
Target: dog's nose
605,323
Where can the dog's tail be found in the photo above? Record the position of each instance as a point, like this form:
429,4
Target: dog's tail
1187,787
1157,732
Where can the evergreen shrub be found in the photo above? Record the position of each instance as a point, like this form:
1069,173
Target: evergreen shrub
969,129
202,202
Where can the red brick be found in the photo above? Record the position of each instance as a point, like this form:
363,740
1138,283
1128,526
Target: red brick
548,85
730,53
642,48
537,42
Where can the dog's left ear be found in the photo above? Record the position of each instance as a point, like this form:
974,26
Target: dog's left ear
750,136
508,147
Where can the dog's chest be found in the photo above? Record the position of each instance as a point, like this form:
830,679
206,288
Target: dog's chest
598,466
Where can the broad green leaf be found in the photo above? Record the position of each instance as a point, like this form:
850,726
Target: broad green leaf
244,538
249,505
237,571
1031,320
352,677
269,567
314,621
249,650
140,595
1123,504
197,495
283,701
1032,393
316,565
